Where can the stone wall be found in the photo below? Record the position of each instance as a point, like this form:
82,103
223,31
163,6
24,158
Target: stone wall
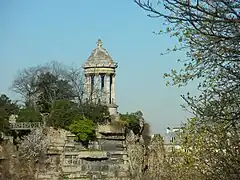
105,158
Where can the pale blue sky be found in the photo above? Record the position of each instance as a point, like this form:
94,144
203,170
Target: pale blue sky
38,31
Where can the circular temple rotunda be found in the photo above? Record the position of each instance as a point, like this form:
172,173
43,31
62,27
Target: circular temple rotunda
100,71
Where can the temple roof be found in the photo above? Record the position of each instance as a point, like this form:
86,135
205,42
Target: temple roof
100,58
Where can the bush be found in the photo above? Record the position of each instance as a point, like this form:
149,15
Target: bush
83,128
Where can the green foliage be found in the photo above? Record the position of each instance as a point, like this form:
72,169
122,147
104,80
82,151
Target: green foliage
62,113
7,107
83,128
132,121
81,121
208,148
209,32
51,88
29,115
98,113
45,83
4,124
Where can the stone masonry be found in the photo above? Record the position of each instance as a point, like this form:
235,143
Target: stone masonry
105,158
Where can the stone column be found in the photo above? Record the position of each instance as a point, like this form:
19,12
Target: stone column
113,89
91,88
95,88
102,88
109,89
87,87
99,84
106,88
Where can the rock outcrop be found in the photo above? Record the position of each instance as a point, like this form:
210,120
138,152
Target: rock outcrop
105,158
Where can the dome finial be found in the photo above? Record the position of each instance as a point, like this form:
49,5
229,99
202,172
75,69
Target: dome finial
99,43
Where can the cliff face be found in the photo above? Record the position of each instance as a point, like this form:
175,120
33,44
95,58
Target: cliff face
155,158
51,168
7,152
11,166
135,151
112,156
105,158
146,160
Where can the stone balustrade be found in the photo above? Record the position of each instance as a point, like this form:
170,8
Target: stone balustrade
25,125
113,137
88,154
92,167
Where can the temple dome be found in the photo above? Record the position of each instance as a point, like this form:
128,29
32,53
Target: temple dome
100,58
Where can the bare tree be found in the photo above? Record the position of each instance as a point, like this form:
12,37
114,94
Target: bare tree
75,77
210,33
25,162
33,151
155,158
32,81
33,146
25,83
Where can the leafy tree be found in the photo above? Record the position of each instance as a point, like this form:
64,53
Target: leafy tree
29,115
7,107
62,113
207,152
83,128
136,123
50,89
4,124
7,104
66,114
209,32
98,113
132,121
48,82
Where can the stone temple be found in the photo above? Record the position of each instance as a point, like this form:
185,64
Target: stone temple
100,72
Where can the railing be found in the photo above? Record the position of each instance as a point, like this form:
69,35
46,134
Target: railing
25,125
94,166
113,137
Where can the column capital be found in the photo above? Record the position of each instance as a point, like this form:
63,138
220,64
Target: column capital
107,74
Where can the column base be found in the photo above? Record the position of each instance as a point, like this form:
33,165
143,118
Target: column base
112,109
